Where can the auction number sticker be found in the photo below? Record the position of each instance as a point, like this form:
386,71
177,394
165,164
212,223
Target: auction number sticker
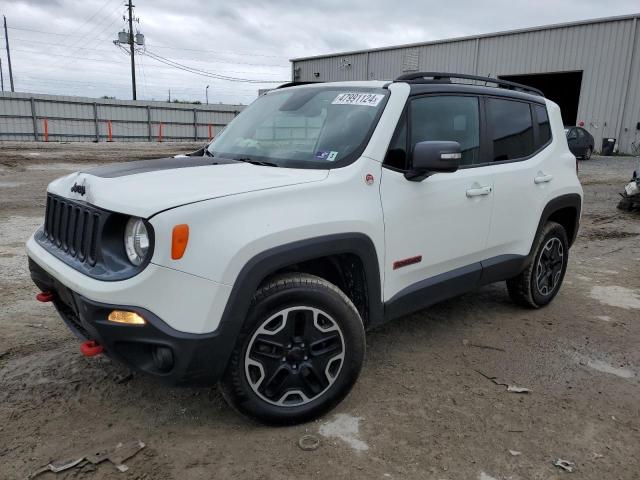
359,99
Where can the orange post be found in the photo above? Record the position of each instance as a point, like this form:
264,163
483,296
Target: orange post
109,132
160,133
210,131
46,130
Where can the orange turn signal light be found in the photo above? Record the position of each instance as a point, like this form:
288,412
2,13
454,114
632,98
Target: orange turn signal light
179,241
122,316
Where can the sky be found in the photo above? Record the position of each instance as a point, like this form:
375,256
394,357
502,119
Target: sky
66,46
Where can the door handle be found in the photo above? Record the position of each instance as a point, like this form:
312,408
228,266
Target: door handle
543,179
477,192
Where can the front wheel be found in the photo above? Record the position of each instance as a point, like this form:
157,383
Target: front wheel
540,282
299,354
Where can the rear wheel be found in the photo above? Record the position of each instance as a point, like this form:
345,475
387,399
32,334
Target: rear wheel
299,354
539,283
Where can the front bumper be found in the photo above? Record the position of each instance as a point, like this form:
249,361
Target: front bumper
185,302
156,349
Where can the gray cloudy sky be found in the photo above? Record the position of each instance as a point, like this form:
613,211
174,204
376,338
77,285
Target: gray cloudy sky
65,46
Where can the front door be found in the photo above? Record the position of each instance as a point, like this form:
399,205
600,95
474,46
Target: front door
437,228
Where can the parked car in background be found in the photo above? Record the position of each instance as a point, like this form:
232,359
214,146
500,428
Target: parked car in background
580,142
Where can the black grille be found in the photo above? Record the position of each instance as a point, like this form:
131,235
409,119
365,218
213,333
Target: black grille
73,228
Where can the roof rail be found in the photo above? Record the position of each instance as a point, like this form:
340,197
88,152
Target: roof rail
294,84
441,77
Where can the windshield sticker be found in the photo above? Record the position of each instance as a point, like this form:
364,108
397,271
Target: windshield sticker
329,156
360,99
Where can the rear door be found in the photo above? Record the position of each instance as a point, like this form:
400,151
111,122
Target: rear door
438,225
522,168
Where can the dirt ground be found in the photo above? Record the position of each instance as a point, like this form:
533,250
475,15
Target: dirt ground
420,409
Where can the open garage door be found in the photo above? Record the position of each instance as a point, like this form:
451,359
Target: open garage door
562,88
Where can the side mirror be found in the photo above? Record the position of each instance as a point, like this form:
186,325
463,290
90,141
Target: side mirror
433,157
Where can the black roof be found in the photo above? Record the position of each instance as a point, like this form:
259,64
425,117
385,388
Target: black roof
443,82
434,82
443,77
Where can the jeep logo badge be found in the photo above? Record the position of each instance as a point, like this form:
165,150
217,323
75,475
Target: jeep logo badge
81,189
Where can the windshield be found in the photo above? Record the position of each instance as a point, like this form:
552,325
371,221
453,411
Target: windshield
313,127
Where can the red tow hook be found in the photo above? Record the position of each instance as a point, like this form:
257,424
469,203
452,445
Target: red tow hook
91,348
44,297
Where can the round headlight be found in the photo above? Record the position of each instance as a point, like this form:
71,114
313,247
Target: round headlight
136,240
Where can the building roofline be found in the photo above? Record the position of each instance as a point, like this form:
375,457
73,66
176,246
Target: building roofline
553,26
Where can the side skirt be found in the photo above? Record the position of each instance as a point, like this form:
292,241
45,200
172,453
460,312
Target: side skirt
447,285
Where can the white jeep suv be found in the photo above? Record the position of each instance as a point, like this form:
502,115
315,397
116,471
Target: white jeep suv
321,211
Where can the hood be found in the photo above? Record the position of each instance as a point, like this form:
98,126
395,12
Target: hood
146,187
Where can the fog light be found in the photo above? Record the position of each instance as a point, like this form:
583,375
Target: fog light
130,318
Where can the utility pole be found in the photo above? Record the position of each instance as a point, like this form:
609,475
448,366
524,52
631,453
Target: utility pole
206,94
1,76
6,37
131,44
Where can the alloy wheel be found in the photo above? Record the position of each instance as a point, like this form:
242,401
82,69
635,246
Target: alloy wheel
294,356
549,267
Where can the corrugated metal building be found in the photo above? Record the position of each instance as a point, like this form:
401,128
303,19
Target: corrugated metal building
590,68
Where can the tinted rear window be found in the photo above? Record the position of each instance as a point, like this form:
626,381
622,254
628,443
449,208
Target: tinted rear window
544,127
511,127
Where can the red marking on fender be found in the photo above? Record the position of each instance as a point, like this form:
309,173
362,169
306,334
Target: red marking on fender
91,348
44,297
407,261
368,179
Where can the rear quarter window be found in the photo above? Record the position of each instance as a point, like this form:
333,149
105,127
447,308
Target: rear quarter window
544,126
511,128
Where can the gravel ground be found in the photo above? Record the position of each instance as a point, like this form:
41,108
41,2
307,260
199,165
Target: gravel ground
421,408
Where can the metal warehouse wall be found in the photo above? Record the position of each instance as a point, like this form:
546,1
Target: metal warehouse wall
25,116
606,50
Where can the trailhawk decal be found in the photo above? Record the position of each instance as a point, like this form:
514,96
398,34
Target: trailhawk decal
359,99
406,262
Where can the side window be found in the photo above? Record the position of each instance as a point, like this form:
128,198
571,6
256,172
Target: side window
397,153
447,118
511,127
544,127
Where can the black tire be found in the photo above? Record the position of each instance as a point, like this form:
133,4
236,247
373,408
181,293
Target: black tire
525,289
625,204
242,383
587,153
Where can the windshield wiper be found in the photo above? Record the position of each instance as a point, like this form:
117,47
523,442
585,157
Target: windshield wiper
255,162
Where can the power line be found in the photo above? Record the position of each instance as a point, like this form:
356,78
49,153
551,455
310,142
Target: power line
84,38
204,73
234,63
38,31
116,62
227,52
212,61
89,19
